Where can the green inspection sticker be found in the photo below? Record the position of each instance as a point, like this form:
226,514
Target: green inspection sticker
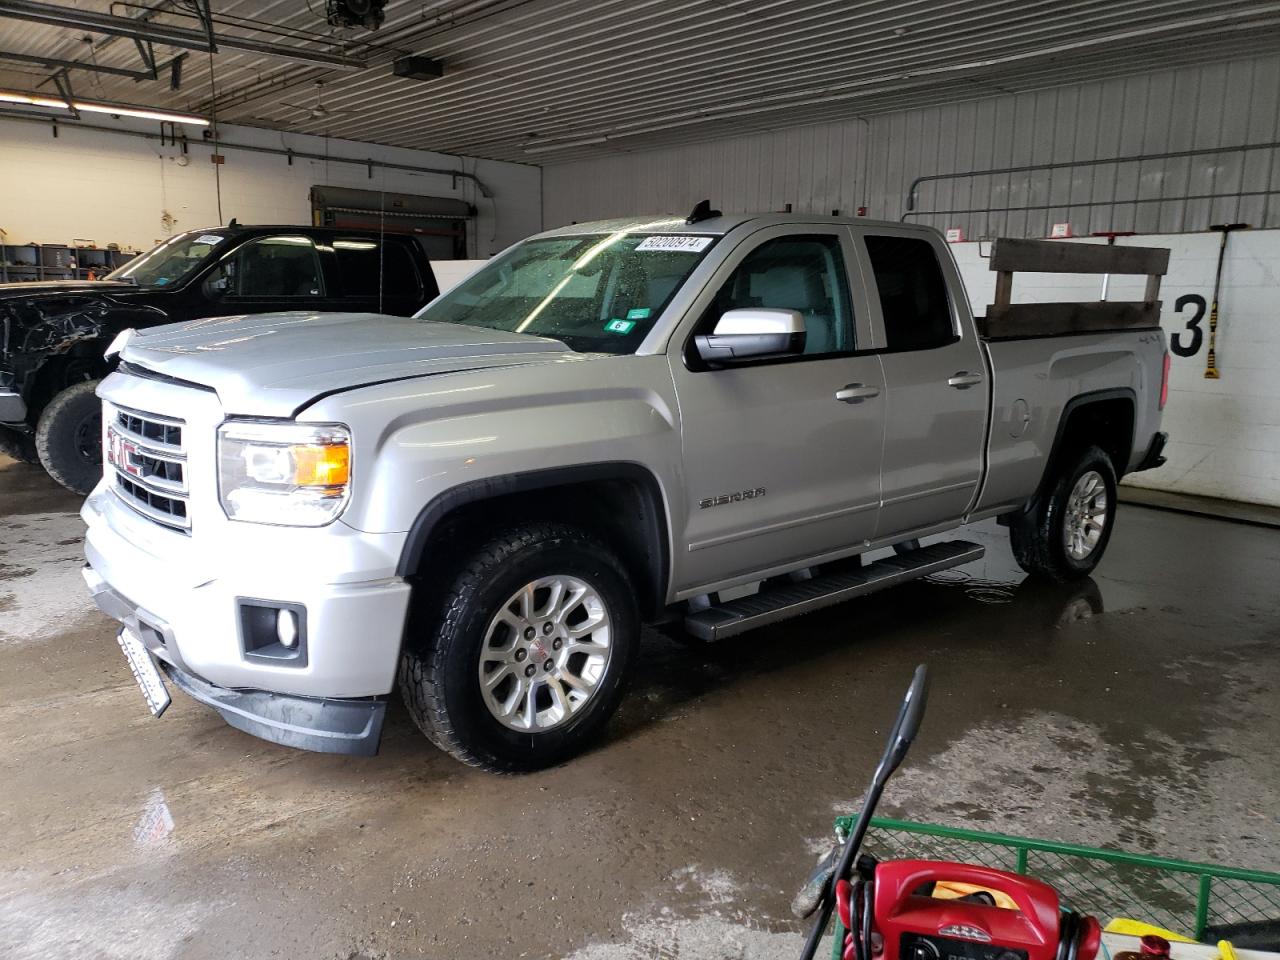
619,326
639,313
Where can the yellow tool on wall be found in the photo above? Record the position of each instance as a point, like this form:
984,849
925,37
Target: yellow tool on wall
1211,362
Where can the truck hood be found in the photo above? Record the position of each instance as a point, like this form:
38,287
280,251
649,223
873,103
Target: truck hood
62,288
273,364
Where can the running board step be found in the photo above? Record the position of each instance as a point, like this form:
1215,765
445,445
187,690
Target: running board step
780,602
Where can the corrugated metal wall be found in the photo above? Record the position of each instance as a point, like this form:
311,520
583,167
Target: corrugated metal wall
872,162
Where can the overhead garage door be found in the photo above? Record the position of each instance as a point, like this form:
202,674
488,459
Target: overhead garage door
440,222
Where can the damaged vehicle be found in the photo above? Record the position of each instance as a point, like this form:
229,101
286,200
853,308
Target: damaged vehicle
54,334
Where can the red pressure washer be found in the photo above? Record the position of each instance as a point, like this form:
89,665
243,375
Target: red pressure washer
891,909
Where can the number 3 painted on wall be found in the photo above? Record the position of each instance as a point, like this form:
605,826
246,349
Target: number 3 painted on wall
1197,335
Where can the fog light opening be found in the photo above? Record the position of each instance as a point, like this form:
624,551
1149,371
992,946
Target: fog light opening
287,628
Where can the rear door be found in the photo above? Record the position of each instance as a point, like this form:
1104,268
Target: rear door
777,467
935,417
378,276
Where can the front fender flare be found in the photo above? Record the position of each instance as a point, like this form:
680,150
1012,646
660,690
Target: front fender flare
656,533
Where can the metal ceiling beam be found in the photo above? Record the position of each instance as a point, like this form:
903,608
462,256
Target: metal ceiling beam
174,36
54,62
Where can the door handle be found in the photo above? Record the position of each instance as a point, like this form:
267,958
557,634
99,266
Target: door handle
964,380
856,393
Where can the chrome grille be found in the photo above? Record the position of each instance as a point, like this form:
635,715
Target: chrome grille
165,433
146,452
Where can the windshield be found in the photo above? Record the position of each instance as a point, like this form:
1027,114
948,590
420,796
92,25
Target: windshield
171,262
593,292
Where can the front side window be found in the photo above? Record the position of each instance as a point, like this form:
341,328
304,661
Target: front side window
913,293
171,262
804,273
270,267
595,292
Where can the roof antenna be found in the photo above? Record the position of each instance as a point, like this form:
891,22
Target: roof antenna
233,223
702,212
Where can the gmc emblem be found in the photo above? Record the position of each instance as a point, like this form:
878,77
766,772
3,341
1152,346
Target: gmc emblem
121,453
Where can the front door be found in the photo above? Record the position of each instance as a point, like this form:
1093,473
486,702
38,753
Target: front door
778,469
936,417
269,274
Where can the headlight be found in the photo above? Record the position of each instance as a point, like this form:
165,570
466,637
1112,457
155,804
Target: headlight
290,474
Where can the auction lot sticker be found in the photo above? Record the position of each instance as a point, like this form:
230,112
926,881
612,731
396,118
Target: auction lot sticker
676,244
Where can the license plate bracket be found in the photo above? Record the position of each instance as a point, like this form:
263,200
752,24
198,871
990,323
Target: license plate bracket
145,672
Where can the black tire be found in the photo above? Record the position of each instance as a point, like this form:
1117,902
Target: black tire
439,671
69,437
1037,537
18,446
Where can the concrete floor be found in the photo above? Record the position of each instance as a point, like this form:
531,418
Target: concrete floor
1136,710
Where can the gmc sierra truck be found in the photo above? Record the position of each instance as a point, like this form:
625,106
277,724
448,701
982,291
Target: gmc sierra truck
709,420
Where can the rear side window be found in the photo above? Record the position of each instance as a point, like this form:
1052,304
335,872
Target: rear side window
913,293
358,262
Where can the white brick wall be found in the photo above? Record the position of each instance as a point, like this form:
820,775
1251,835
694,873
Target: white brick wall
106,187
1224,435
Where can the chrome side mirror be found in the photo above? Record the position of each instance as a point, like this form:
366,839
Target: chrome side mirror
752,333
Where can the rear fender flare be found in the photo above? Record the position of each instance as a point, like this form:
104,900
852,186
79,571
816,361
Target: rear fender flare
1056,451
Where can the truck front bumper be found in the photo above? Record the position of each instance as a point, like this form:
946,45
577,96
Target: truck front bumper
13,409
197,603
322,724
308,723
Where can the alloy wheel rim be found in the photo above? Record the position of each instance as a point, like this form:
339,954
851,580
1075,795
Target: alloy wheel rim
1085,521
545,653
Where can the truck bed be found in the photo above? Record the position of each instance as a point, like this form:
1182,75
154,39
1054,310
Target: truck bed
1033,381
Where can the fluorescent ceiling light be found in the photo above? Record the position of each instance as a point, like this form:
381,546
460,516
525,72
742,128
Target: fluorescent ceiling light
31,99
88,106
117,110
545,147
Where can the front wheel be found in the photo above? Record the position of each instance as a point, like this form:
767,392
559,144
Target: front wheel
1065,535
69,437
528,653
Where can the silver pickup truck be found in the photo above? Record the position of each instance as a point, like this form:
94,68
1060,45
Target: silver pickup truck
706,420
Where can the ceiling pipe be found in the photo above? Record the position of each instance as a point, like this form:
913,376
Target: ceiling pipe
289,154
174,36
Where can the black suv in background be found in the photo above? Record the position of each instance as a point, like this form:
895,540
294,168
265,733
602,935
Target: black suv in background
55,332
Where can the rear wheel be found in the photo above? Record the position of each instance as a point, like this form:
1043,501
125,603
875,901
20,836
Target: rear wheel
18,446
1066,534
526,658
69,437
